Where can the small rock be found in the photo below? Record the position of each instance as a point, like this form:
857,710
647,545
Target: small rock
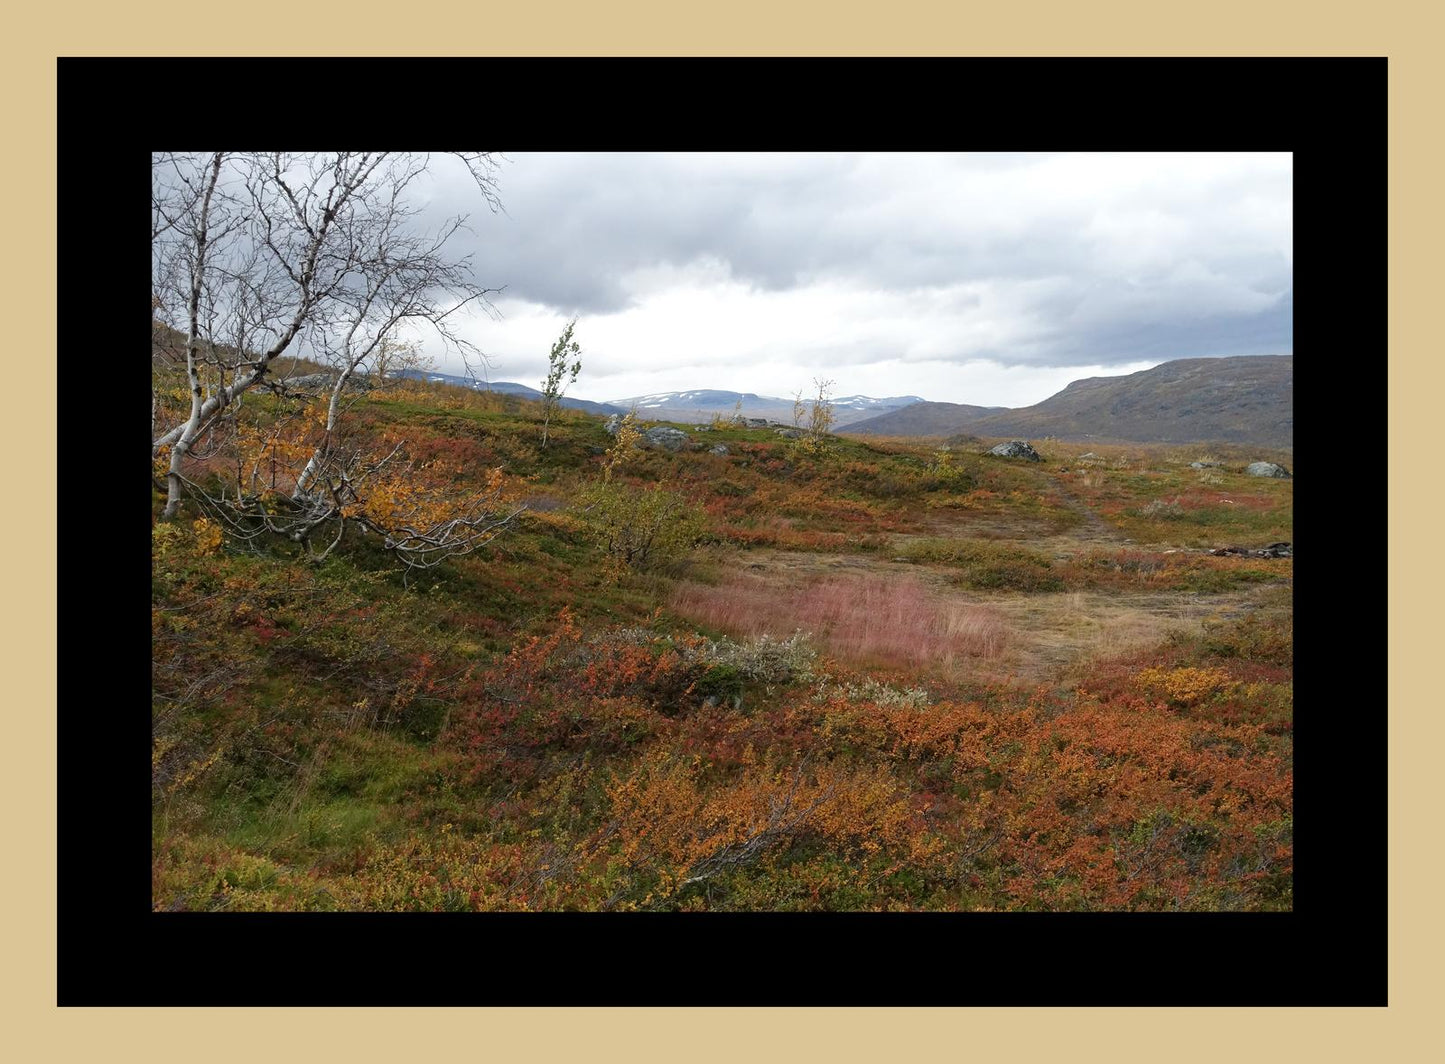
791,434
718,448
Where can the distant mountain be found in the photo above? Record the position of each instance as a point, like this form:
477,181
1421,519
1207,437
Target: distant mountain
509,388
1243,399
926,419
704,404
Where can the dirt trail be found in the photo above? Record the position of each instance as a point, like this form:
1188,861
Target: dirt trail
1093,531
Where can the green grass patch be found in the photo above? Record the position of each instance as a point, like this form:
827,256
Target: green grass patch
987,565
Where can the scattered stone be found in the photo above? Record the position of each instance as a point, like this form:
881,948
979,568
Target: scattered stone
1016,449
718,448
612,424
310,380
1206,465
665,436
791,434
1274,550
317,382
1267,469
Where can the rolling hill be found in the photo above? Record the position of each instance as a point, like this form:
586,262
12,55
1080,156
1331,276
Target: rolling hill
1244,399
704,404
511,388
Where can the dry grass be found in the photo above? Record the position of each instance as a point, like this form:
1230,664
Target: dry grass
1062,637
868,619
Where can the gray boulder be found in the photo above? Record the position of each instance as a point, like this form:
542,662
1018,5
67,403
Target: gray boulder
790,433
1267,469
1211,465
309,382
718,448
612,424
1016,449
665,436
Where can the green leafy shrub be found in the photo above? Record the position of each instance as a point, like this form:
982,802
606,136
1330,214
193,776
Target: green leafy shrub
640,528
721,682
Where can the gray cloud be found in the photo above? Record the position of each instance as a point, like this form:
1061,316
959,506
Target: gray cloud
1037,260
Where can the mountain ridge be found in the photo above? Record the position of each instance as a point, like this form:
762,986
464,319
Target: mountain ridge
703,404
1235,399
509,388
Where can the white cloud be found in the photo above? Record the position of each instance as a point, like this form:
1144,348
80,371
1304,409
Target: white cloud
963,278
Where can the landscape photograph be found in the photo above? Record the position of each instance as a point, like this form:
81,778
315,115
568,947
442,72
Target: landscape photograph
722,532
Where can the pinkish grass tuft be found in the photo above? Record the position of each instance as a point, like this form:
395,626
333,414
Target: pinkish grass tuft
866,619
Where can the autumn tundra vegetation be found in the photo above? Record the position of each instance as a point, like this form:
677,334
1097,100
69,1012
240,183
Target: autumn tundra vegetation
423,647
851,677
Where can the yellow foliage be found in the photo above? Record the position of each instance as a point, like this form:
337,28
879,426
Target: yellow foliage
208,535
165,536
1184,686
628,435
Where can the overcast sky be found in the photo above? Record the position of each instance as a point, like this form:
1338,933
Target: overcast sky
988,279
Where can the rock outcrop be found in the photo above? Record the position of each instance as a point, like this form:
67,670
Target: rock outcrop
1016,449
1267,469
665,436
1274,550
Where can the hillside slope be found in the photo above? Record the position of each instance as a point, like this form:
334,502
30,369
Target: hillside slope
1246,399
744,673
509,388
926,419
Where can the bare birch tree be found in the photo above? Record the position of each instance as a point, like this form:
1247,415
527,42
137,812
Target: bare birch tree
259,255
255,255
